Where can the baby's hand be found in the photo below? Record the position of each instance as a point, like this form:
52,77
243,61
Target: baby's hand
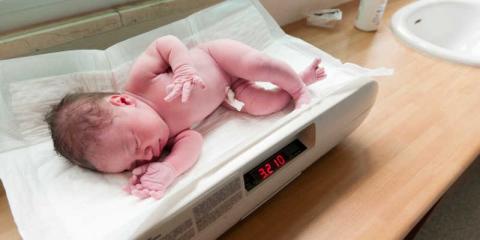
184,79
151,180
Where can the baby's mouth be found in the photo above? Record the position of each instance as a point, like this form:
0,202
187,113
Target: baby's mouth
159,148
157,151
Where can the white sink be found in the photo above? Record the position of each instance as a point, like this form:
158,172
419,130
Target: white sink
448,29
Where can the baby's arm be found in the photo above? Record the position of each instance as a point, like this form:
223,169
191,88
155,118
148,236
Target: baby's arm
165,52
152,179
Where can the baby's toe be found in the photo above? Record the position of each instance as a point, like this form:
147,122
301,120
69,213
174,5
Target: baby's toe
315,63
320,74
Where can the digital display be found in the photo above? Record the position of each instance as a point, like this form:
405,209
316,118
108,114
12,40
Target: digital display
268,167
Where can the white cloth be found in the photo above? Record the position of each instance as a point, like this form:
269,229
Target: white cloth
232,101
53,199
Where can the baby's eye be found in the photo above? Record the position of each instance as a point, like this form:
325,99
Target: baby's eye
137,144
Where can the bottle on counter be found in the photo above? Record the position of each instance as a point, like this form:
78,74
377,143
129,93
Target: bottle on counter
370,13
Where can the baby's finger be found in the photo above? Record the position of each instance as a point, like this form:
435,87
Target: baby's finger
142,194
170,87
198,81
133,180
174,93
157,194
140,170
139,186
187,88
127,188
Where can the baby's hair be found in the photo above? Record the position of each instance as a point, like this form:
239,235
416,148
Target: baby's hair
75,122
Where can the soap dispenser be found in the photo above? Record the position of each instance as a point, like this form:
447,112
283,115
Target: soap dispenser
370,13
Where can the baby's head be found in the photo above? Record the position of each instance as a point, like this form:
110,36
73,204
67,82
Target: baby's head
107,132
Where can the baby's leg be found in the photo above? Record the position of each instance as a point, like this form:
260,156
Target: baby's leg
259,101
242,61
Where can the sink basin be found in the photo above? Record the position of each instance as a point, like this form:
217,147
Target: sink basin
448,29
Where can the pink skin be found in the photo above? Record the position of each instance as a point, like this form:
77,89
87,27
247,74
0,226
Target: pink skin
170,88
136,135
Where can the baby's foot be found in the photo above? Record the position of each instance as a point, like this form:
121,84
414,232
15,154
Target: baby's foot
313,73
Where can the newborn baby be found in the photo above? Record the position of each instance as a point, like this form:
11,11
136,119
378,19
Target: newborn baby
170,88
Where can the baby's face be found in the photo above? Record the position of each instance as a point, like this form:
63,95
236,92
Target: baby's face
137,134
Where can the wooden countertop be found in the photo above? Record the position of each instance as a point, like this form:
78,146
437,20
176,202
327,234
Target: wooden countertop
422,133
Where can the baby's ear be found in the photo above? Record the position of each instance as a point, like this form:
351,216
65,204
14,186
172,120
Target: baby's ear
121,100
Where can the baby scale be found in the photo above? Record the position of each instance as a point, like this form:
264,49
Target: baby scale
272,164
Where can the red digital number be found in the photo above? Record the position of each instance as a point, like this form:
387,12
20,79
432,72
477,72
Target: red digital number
269,169
262,172
265,171
279,161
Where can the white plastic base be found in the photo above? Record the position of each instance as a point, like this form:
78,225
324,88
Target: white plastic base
227,202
